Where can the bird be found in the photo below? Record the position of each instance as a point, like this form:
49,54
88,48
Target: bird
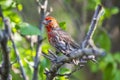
58,38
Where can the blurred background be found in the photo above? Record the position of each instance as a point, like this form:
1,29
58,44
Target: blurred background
75,17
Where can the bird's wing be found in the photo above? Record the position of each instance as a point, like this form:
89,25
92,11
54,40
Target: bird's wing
66,38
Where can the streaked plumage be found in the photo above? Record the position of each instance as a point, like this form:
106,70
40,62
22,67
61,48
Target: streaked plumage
58,38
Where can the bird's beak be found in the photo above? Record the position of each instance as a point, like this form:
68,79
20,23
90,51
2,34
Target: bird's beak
45,22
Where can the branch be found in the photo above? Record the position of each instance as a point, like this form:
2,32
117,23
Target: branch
79,53
5,68
84,53
98,13
88,41
18,59
61,60
6,59
42,8
7,21
10,36
53,71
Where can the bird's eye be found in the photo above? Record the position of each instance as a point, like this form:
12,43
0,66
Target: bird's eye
49,21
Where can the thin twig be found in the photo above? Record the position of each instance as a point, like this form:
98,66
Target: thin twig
18,59
42,7
98,13
47,56
88,42
53,54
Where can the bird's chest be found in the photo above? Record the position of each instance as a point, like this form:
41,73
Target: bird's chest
52,36
55,39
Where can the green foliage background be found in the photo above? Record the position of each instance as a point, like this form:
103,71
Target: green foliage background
108,66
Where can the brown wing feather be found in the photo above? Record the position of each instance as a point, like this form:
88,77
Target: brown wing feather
67,38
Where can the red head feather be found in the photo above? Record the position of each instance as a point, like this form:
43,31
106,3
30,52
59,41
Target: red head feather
50,23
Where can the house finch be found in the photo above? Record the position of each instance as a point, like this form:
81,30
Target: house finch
58,38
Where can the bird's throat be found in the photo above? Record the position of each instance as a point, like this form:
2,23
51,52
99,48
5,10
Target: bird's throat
48,28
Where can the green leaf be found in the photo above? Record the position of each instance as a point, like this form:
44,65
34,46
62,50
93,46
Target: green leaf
93,67
20,7
109,58
6,3
117,75
44,64
110,71
114,10
14,17
63,25
45,47
105,61
27,29
15,74
117,56
64,71
103,40
111,11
